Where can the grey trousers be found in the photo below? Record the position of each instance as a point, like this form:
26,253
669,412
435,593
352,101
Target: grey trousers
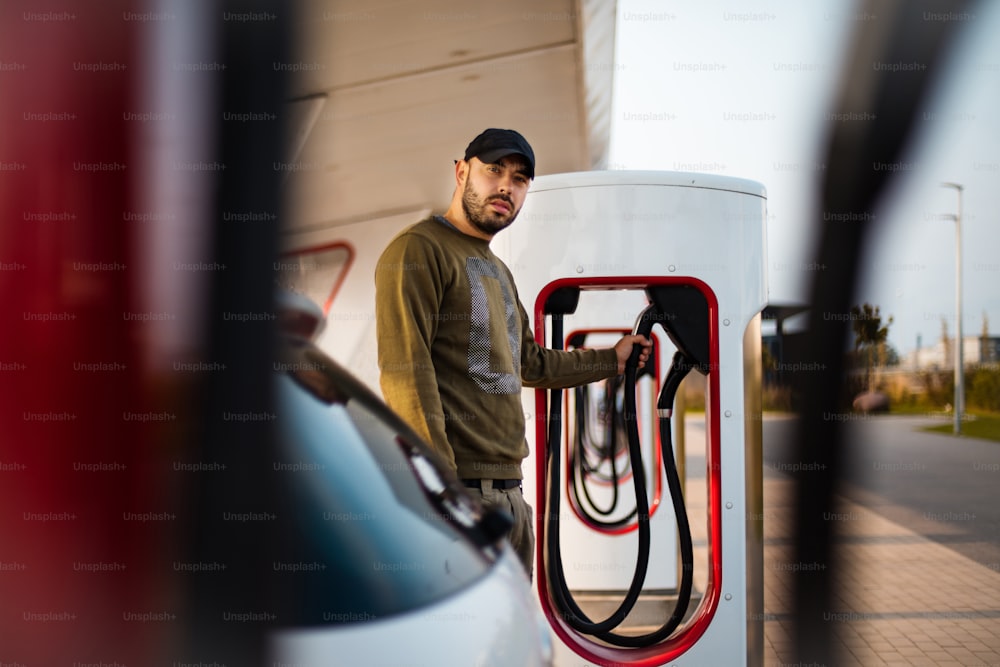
522,534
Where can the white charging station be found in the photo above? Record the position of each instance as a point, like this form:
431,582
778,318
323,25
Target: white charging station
616,237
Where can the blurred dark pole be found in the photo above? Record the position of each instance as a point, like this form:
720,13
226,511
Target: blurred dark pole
238,511
106,545
892,62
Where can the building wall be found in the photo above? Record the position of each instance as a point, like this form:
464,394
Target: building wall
975,350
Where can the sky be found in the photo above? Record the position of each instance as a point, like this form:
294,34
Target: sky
744,90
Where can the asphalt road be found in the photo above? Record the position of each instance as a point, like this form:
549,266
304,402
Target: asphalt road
943,487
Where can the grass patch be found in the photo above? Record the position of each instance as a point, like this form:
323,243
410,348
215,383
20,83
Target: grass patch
978,425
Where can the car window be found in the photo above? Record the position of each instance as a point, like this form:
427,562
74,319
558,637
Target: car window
393,532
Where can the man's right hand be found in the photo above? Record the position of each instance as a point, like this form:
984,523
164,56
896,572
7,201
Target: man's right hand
623,349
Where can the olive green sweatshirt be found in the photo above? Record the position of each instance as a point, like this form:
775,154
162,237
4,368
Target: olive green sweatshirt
455,347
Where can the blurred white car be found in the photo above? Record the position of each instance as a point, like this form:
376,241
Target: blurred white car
397,564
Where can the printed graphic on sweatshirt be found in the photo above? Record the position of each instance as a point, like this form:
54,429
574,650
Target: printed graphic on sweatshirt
482,330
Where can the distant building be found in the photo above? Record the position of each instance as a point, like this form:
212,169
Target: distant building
781,345
989,350
940,356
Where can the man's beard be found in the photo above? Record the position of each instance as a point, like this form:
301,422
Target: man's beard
481,216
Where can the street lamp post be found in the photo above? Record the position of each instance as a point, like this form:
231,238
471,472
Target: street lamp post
959,355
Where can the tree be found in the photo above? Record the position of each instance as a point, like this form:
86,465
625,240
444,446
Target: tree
984,340
945,341
870,337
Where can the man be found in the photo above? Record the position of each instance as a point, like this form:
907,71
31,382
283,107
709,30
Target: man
454,342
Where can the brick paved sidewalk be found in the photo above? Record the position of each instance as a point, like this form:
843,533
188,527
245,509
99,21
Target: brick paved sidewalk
905,600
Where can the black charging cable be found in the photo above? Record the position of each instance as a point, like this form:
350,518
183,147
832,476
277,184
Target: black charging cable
587,457
569,610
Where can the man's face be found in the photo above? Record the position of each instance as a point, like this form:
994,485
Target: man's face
495,192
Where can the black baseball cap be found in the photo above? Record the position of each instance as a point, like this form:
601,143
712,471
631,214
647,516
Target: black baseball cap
494,144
